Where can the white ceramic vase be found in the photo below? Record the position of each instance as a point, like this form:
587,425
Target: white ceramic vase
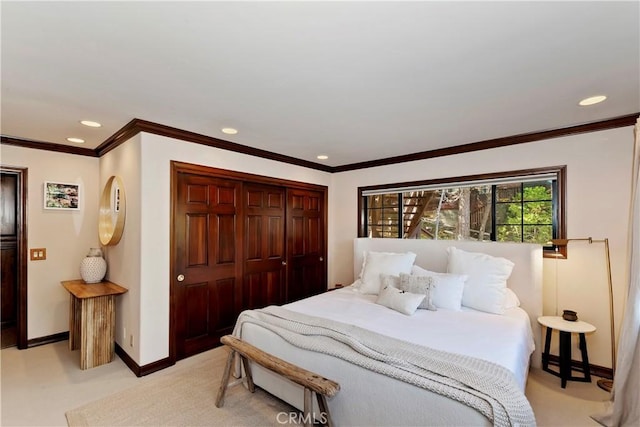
93,267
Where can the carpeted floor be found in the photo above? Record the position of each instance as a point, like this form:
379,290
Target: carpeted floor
184,397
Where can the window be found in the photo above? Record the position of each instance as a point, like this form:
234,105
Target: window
516,206
384,214
524,212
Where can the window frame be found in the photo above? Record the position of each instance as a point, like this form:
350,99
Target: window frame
522,202
559,208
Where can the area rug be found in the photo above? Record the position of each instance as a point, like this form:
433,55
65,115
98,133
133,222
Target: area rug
185,396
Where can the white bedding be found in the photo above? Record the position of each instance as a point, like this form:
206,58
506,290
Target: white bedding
370,399
503,339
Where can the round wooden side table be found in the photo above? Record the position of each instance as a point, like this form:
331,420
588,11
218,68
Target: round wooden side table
565,329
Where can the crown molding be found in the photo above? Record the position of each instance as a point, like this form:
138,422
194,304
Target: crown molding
49,146
136,126
621,121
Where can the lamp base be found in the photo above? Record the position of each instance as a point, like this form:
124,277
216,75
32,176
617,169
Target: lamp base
606,385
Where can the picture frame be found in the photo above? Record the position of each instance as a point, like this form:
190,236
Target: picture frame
62,196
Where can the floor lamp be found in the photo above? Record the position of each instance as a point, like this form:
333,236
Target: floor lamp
604,384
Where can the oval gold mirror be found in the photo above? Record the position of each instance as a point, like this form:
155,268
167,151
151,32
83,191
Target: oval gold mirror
113,208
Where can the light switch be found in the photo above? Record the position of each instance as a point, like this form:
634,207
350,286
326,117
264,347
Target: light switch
38,254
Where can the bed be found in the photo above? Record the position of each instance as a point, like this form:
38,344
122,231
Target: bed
509,340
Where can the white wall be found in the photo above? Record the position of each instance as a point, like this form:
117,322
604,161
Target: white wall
67,235
598,187
598,168
123,259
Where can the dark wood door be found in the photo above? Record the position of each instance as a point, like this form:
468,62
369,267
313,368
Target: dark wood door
9,228
264,259
307,272
207,288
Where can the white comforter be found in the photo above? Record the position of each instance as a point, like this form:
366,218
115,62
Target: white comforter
503,339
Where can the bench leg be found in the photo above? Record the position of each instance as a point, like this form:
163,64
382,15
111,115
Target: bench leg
307,379
324,409
247,374
308,408
225,379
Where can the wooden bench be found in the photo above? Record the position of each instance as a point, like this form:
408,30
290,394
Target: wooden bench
312,382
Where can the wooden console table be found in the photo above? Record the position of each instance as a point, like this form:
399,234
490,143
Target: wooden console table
92,320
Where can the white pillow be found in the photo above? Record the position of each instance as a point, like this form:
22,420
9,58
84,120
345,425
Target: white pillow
401,301
447,288
418,285
511,300
389,263
356,285
485,289
364,261
389,280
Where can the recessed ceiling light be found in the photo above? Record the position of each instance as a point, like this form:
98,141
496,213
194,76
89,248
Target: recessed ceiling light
77,140
90,123
323,157
229,131
592,100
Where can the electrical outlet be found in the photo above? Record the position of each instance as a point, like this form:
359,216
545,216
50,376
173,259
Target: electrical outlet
38,254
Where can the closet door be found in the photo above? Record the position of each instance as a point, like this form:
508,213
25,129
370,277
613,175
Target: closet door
307,271
264,258
207,287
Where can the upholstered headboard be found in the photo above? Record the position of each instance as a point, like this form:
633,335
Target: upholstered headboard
525,280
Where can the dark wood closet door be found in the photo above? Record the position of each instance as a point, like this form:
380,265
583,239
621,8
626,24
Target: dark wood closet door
208,261
264,262
307,273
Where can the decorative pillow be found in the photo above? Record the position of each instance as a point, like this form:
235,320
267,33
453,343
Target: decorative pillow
401,301
364,261
447,288
377,263
356,285
418,285
486,286
389,280
511,299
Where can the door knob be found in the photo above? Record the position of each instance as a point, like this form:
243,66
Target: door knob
180,277
321,259
284,262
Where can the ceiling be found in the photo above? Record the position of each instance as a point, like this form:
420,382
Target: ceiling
357,81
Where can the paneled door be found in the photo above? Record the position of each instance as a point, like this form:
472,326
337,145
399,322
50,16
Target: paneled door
265,257
206,288
306,245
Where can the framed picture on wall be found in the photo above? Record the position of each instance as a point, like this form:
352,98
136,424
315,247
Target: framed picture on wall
60,195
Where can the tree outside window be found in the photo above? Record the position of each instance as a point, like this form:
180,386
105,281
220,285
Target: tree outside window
517,209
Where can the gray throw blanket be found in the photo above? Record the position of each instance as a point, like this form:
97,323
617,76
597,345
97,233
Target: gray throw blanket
487,387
